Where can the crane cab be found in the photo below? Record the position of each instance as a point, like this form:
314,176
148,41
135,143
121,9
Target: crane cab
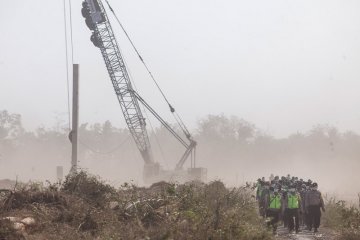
92,13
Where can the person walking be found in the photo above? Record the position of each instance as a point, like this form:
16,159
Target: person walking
292,207
273,203
313,203
303,215
259,187
284,212
262,201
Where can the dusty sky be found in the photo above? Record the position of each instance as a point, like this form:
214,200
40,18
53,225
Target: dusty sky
283,65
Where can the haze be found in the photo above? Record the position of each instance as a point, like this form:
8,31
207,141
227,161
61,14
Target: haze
284,66
265,61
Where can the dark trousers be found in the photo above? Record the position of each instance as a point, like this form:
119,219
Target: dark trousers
302,218
314,216
293,219
261,210
274,214
306,219
285,217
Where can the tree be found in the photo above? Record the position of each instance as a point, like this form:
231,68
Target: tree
223,128
10,125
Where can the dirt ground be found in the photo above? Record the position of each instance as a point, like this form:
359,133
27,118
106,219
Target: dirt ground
323,234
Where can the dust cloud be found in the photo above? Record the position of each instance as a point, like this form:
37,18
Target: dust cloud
232,149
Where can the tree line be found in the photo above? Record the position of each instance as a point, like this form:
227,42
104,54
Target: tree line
230,147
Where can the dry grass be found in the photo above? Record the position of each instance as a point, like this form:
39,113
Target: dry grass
79,209
342,218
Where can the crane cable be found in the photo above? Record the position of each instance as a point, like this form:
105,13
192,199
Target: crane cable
67,66
71,34
67,55
172,109
146,114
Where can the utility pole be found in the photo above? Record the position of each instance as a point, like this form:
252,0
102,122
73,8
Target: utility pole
75,119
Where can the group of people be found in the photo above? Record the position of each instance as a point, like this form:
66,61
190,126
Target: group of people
291,200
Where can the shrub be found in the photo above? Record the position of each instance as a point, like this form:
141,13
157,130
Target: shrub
88,187
343,218
163,211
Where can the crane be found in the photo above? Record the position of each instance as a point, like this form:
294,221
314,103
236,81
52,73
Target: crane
103,37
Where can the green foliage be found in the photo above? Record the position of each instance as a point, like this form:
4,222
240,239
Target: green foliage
171,190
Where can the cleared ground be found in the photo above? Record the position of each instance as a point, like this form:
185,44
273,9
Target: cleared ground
323,234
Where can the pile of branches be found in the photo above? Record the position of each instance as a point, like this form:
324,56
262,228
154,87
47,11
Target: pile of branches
84,207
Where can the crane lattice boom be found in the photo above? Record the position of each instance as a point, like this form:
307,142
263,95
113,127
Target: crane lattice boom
103,37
